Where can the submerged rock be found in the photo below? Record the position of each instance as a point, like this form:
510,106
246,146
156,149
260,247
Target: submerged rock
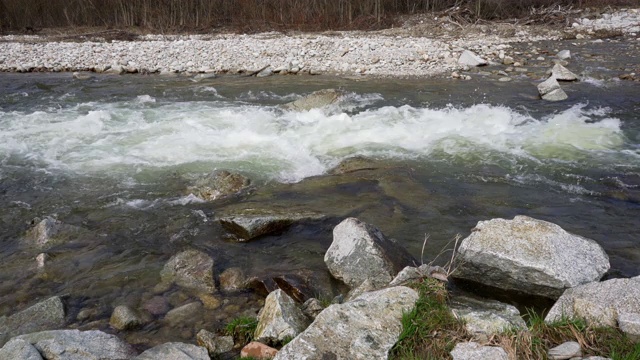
174,351
317,99
233,279
530,256
360,251
474,351
550,90
470,59
484,318
184,314
279,319
49,232
252,223
124,318
76,344
45,315
214,344
190,269
353,164
599,303
364,328
219,184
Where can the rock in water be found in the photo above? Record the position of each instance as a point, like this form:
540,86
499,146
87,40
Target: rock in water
252,223
470,59
475,351
214,344
315,100
279,319
49,232
360,251
529,255
124,318
364,328
45,315
484,318
76,344
18,349
174,351
599,303
190,269
564,54
561,73
550,90
219,184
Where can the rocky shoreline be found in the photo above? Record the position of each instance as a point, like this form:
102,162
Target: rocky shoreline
412,50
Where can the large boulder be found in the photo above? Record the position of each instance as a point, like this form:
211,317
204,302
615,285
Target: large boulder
175,351
604,303
279,319
219,184
550,90
79,345
317,99
360,251
530,256
364,328
18,349
474,351
49,232
45,315
249,224
190,269
484,318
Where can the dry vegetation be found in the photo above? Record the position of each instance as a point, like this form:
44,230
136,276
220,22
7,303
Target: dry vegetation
256,15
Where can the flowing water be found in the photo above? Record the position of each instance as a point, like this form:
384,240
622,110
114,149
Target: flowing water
114,155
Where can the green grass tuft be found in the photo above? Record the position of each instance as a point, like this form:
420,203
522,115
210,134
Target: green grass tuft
242,329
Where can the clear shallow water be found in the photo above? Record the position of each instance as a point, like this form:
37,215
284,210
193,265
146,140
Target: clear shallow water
115,155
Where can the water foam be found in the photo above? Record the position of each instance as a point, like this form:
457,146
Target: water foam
120,138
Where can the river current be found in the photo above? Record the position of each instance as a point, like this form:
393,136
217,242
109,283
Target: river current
114,155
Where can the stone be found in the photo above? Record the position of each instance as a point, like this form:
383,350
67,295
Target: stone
484,318
360,251
599,303
317,99
353,164
81,76
410,274
214,344
529,255
470,59
190,269
219,184
209,301
474,351
18,349
233,279
564,54
78,345
124,318
184,314
157,305
174,351
258,351
364,328
629,323
295,286
268,71
279,319
508,60
312,307
550,90
115,70
504,79
49,232
561,73
45,315
253,223
366,286
567,350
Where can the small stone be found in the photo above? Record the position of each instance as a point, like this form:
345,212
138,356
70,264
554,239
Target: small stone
214,344
280,318
311,308
565,351
564,54
124,318
209,301
258,351
508,60
505,79
469,58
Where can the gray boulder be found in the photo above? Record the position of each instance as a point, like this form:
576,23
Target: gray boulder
45,315
79,345
529,255
360,251
561,73
550,90
564,351
410,274
219,184
315,100
364,328
49,232
190,269
280,318
252,223
484,318
17,349
214,344
468,58
124,318
600,303
174,351
474,351
629,323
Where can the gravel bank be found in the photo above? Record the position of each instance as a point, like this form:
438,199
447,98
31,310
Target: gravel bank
407,51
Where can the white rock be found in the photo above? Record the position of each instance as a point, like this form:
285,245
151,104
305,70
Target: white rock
550,90
475,351
560,72
484,318
567,350
469,58
280,318
564,54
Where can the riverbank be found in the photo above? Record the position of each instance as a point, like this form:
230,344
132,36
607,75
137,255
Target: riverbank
423,46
